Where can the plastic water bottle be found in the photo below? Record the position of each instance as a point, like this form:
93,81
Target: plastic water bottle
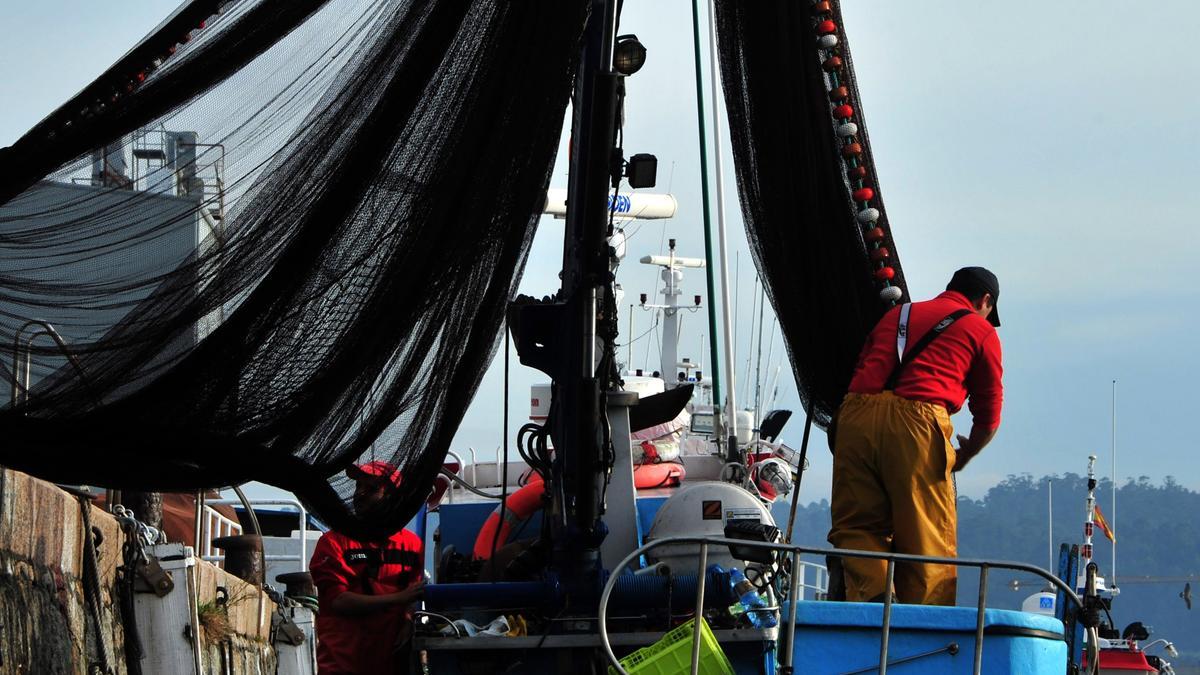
749,600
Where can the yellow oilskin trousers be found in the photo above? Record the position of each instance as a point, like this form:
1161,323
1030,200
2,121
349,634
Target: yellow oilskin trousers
893,492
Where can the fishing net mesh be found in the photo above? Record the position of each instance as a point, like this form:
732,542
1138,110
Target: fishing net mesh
277,239
796,200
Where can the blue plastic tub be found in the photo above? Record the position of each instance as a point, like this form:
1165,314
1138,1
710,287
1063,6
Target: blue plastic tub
841,637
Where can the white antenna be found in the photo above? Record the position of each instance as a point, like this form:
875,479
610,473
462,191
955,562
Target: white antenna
1050,520
1113,522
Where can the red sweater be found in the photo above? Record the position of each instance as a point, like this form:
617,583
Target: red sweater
362,644
963,361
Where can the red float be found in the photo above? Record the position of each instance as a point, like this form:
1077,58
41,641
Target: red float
875,234
864,194
843,111
839,94
821,7
857,172
880,254
832,63
826,27
885,274
851,150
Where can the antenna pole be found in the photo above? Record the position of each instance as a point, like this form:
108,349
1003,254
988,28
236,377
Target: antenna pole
1050,519
1088,523
715,370
629,346
1113,524
733,453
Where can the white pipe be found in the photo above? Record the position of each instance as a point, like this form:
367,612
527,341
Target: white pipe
726,322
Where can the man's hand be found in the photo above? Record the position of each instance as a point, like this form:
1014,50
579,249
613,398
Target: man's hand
963,453
411,594
969,447
350,603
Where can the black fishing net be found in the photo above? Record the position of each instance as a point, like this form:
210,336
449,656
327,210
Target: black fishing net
821,266
276,239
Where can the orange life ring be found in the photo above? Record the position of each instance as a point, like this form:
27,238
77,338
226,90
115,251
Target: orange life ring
520,505
664,474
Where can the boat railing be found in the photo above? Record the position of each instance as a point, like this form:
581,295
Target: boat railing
789,635
22,358
301,513
215,525
820,583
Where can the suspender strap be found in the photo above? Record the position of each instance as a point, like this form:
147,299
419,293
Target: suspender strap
902,332
903,359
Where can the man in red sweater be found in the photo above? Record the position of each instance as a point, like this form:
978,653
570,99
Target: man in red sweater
893,458
365,588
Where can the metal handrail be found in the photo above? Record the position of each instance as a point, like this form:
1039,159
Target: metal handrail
795,551
22,384
303,513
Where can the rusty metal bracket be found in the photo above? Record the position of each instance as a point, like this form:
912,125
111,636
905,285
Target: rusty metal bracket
152,578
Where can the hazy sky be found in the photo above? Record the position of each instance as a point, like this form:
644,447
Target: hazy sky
1052,142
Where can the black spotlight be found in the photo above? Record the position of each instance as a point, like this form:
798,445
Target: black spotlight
629,56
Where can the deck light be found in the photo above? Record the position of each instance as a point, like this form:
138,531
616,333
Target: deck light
629,55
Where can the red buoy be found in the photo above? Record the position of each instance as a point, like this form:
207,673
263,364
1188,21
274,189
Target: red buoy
875,234
832,63
851,150
885,274
864,194
880,254
839,94
857,172
826,27
843,111
821,7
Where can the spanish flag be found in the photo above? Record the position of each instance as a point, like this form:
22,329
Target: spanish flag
1104,525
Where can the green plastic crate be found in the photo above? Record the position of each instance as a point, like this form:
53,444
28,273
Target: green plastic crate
672,655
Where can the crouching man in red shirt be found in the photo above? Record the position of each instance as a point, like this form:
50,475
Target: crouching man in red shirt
365,589
893,458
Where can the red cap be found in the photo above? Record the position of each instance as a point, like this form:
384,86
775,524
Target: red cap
374,471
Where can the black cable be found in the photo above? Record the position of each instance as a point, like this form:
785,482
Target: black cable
808,420
550,622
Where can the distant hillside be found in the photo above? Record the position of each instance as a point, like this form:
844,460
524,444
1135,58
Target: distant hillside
1158,535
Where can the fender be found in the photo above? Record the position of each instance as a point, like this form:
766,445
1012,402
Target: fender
665,474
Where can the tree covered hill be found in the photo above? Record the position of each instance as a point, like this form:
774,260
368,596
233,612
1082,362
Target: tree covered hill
1158,536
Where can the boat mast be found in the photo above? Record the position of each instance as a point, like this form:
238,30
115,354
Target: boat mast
708,252
580,415
1089,522
1113,523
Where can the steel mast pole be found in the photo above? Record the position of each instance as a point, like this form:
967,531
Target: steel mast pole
727,328
1113,524
708,249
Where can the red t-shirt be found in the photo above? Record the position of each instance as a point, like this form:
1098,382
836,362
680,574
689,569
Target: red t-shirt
362,644
963,361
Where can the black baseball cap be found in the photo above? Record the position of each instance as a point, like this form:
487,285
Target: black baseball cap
975,281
